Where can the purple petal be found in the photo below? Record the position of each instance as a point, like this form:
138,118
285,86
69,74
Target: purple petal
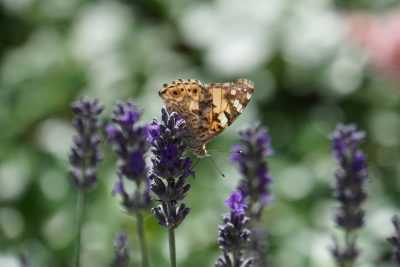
236,202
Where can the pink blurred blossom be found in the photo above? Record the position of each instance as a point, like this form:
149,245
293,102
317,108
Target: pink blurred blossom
380,37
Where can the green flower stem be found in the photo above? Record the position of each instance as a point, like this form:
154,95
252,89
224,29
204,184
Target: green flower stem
142,239
172,249
80,210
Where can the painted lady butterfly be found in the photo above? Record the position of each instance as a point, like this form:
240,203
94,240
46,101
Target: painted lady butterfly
207,108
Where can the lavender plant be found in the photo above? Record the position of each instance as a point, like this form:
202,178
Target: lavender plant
351,177
130,144
241,236
395,240
233,234
171,168
249,155
85,155
121,254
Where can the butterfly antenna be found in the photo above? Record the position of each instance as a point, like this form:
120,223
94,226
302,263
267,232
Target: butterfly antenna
216,167
194,165
220,151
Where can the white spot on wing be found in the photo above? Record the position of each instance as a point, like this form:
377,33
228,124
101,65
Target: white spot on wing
223,119
233,92
248,95
238,106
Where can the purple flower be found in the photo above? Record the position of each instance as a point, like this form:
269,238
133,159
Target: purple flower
233,234
249,155
170,169
129,142
153,131
236,202
395,240
121,251
85,153
345,141
351,176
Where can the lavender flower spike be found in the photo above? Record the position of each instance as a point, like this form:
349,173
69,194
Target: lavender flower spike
351,177
85,154
249,155
129,142
233,235
395,240
170,170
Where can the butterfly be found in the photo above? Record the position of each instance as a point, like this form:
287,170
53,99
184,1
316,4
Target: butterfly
208,109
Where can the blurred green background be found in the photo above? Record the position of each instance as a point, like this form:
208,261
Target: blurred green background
308,76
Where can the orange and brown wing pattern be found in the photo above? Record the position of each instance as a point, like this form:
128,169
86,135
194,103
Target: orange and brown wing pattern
188,98
228,102
182,95
207,109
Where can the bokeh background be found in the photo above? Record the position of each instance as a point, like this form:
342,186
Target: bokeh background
314,62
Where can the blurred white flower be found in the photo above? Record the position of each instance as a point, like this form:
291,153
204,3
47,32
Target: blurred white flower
14,177
295,182
55,137
385,127
346,71
107,76
99,29
237,54
59,229
313,32
96,40
39,54
379,221
237,37
199,25
319,252
8,261
16,6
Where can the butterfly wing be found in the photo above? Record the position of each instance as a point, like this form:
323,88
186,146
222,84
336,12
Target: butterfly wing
183,96
207,110
228,101
190,99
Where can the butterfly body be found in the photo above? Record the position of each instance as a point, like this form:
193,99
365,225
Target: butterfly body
207,108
